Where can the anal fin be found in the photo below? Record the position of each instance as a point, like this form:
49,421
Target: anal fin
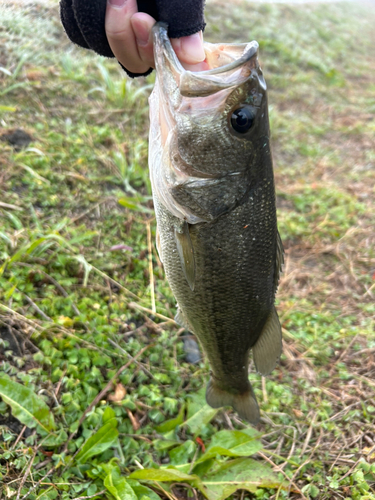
245,403
267,350
186,253
279,261
180,319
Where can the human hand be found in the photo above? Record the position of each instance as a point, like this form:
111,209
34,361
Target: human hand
129,36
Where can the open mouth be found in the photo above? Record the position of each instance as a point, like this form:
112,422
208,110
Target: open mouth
229,64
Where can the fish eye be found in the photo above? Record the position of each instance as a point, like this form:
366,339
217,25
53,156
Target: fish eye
242,119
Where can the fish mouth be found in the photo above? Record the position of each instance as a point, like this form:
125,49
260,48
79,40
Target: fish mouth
230,64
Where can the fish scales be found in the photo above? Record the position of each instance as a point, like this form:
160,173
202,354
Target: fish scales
214,200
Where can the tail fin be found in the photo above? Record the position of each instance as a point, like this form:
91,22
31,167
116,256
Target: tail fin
245,404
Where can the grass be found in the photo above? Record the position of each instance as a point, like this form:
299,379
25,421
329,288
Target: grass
76,304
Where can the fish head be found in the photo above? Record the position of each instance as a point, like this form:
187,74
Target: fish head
208,124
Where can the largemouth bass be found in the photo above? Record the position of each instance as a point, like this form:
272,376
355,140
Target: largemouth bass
213,189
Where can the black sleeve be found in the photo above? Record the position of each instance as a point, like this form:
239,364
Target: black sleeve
84,20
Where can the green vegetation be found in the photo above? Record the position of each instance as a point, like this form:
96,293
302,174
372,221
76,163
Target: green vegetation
96,398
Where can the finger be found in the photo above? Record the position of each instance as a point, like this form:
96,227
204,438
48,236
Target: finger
189,49
120,34
142,28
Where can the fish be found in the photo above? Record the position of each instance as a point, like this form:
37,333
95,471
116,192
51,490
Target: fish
214,197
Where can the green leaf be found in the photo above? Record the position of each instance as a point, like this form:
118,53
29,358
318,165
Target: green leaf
171,424
30,247
162,475
198,411
3,266
200,418
195,402
170,474
55,439
108,414
240,474
10,292
232,439
33,173
6,238
99,441
30,409
7,108
231,444
250,431
118,486
14,220
183,453
140,490
202,468
133,204
311,490
13,87
164,444
49,494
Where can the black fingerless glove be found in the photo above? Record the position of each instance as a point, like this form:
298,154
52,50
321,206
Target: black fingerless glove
84,21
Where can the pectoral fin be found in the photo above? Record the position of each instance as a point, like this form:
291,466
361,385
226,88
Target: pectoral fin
186,252
267,350
211,198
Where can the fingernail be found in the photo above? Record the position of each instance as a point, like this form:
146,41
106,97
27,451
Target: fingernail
192,46
141,31
116,3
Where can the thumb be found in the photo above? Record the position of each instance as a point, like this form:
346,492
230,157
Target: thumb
189,49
